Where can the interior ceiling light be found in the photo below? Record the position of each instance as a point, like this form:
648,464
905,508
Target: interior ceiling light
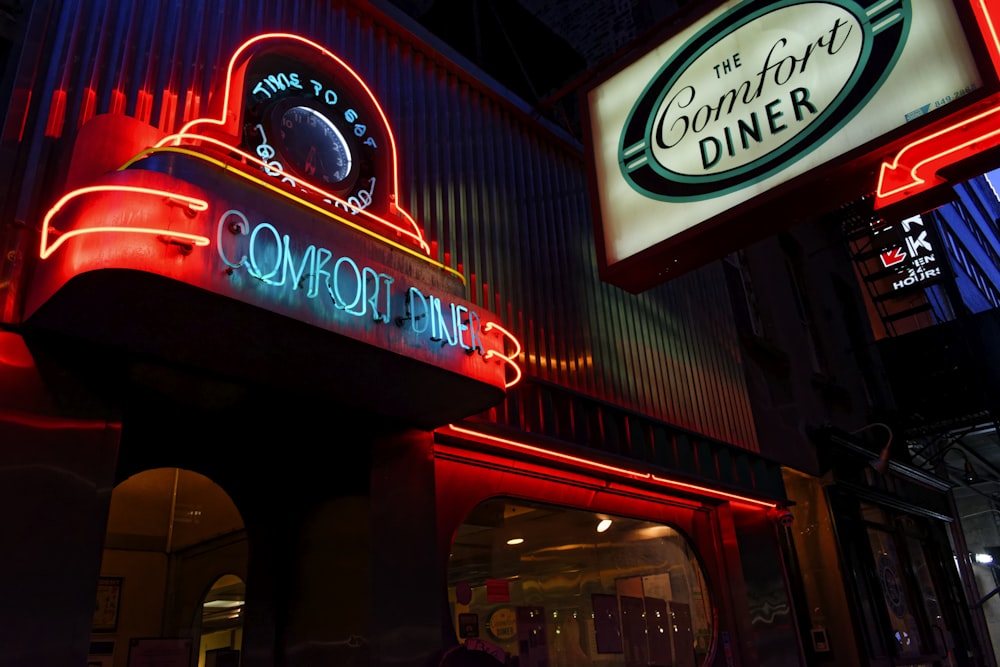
515,540
603,525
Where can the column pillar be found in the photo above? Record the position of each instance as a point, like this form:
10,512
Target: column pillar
408,589
57,461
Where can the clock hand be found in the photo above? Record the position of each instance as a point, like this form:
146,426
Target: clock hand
310,166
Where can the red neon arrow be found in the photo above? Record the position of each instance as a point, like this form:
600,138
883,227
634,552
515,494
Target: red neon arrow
915,168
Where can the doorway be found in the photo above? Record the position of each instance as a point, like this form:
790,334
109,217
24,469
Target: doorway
174,563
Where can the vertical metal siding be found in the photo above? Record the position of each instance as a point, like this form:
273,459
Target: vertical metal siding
498,195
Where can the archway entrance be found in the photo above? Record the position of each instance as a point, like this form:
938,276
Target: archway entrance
172,574
221,633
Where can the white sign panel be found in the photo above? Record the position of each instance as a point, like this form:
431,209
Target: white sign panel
755,94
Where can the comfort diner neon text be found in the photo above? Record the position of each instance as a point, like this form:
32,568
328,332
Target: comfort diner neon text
356,290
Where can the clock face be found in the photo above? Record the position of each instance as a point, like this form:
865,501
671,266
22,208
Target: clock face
312,145
312,129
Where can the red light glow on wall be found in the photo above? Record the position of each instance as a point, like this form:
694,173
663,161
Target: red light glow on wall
13,351
915,167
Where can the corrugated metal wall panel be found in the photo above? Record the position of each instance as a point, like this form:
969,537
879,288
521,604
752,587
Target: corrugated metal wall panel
500,197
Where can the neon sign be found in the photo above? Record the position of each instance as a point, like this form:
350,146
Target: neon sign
631,474
905,251
283,93
192,204
285,200
916,166
356,290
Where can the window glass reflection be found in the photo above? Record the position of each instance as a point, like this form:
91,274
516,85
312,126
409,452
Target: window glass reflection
539,585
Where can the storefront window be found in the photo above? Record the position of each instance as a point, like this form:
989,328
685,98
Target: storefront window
905,630
929,596
176,553
909,588
539,585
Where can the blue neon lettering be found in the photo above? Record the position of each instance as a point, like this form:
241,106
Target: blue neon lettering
319,274
242,225
308,258
338,299
418,321
254,269
354,289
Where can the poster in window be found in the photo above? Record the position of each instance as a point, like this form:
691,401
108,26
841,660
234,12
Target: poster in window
109,595
468,625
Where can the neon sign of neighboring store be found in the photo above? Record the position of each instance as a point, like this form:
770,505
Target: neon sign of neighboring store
910,253
285,199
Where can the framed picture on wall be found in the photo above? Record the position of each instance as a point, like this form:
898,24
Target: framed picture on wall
109,595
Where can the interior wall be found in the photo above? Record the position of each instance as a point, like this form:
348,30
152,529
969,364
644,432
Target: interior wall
170,534
140,605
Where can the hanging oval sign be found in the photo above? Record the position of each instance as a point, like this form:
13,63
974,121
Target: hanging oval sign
756,90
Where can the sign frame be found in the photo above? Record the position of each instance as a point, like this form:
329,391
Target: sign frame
848,177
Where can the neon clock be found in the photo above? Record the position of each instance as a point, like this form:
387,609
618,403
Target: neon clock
314,145
308,128
282,196
293,111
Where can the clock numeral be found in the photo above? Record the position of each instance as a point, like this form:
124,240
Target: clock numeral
359,201
266,153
